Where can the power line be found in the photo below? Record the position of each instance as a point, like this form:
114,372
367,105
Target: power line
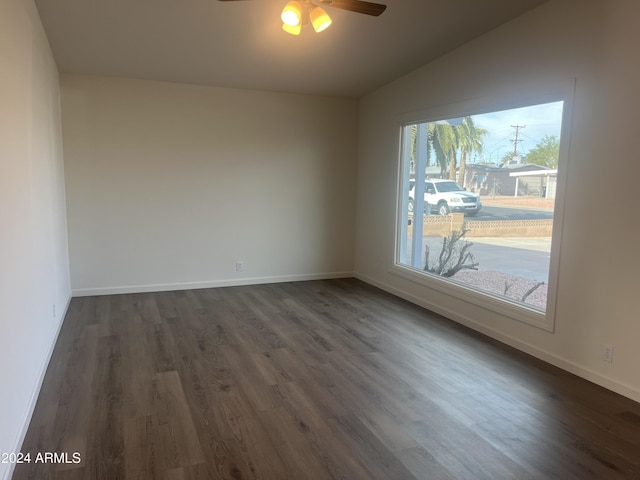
517,139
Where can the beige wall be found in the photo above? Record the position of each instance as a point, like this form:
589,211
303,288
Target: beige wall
34,276
169,185
596,43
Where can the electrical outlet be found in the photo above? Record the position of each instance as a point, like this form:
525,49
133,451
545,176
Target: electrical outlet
239,266
607,353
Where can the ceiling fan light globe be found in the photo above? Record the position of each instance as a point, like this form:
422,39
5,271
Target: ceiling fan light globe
295,30
319,19
292,14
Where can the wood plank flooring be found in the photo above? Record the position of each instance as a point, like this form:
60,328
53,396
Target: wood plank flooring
311,380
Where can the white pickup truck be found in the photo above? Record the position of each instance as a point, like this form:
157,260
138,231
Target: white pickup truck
444,196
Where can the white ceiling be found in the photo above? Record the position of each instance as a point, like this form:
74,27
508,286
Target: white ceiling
241,44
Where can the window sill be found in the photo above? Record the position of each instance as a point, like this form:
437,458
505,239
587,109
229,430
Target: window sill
494,303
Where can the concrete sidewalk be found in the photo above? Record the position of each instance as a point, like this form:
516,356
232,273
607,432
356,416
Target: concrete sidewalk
539,244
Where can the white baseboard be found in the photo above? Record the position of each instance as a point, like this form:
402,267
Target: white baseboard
33,400
167,287
563,363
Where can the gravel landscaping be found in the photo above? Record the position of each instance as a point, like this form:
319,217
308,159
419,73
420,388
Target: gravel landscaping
496,282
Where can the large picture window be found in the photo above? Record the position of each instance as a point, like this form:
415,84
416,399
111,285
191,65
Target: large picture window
477,204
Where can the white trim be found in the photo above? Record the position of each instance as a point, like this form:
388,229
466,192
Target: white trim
33,400
167,287
555,360
488,301
521,95
534,173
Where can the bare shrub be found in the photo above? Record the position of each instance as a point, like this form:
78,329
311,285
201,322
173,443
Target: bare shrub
454,256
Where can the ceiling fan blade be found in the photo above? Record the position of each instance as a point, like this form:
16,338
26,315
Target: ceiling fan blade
358,6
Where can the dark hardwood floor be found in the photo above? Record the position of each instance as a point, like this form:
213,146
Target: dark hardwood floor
311,380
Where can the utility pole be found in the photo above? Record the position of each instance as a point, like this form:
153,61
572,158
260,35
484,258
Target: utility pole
517,140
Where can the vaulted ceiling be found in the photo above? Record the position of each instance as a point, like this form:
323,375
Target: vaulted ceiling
241,44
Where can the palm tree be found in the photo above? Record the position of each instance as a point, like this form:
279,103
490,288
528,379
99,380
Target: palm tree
469,141
443,142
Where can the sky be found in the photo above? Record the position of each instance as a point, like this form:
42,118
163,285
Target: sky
538,121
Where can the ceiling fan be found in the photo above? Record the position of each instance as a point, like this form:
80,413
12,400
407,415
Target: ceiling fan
299,12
